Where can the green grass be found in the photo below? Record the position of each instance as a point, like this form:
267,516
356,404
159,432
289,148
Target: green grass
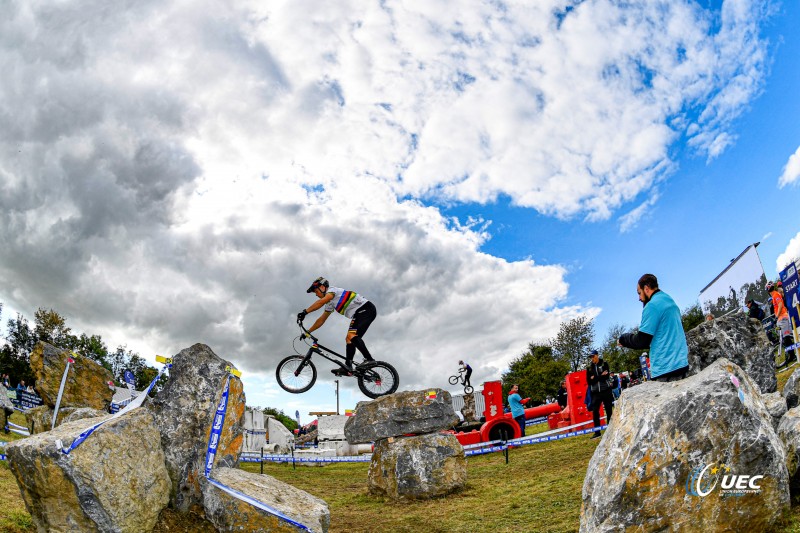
14,518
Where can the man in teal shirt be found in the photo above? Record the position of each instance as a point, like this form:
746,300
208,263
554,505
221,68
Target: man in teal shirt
661,331
517,409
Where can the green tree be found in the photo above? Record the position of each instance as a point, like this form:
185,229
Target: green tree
280,416
619,359
15,355
574,341
52,328
94,348
692,317
537,372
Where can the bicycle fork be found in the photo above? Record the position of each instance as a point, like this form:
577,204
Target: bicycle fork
305,361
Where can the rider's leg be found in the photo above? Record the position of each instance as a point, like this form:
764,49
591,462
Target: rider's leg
358,328
466,378
349,352
359,343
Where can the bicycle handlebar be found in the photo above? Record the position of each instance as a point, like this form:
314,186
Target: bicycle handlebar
308,333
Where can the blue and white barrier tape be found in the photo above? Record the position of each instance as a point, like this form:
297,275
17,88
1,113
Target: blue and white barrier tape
211,452
535,421
130,407
13,425
3,457
283,458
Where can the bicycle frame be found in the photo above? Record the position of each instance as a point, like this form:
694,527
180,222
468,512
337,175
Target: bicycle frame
317,348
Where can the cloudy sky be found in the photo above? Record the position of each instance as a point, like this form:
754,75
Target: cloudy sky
175,172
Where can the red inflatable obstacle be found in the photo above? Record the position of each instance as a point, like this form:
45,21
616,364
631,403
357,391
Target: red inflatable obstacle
500,425
576,410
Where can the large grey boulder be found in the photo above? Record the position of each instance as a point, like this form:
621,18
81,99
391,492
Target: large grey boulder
738,339
643,475
114,481
231,514
791,390
789,433
776,405
87,382
420,467
184,412
399,414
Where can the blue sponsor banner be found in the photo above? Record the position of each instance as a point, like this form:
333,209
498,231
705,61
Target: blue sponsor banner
216,429
128,377
26,400
791,295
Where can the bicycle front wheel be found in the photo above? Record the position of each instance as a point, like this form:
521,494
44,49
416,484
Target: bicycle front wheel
378,379
453,380
294,376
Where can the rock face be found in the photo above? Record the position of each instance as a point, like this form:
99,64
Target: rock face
40,419
776,405
469,412
789,433
87,381
418,467
400,414
738,339
184,412
427,465
791,390
644,474
114,481
230,514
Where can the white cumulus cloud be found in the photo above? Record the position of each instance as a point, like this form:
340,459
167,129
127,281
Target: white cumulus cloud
791,171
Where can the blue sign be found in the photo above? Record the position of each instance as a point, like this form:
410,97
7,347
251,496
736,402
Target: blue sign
128,377
791,294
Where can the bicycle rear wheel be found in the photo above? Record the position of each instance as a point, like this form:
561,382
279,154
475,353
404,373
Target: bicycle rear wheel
294,376
377,378
468,390
453,380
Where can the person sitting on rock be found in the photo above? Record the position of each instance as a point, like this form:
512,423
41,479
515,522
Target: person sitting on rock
661,330
350,304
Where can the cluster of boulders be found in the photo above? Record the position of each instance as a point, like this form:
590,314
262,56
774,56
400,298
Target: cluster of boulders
135,465
412,458
716,451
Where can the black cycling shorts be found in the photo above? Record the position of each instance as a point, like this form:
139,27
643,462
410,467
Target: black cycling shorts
362,319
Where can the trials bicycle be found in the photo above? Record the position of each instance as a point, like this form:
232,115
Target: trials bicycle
297,373
455,380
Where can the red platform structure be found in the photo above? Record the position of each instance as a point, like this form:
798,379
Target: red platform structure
576,410
498,424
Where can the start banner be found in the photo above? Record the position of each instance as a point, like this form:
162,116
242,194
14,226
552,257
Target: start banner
791,297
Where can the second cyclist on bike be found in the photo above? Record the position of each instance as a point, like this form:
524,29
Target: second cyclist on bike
352,305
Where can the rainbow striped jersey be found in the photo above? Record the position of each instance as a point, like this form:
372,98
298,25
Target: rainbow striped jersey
344,302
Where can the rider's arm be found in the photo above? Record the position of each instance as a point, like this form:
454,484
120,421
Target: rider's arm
321,320
319,303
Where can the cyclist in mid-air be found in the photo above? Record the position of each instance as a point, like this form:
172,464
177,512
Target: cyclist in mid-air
350,304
